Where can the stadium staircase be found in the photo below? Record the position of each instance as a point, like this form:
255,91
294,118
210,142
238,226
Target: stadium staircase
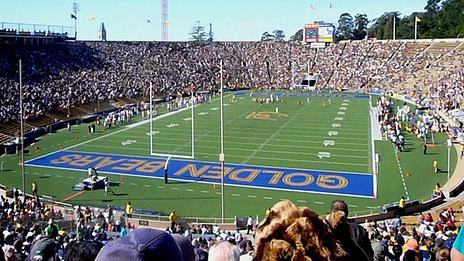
423,70
359,63
12,128
335,67
5,138
383,67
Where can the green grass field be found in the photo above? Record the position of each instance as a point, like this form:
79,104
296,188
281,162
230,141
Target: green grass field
254,135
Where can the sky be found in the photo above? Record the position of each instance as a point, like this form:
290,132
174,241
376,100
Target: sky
232,20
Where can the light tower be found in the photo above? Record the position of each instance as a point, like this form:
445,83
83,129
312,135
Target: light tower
164,20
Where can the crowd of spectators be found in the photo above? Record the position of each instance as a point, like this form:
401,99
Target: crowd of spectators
84,73
31,230
81,73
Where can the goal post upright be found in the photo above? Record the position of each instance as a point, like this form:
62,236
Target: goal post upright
151,118
191,103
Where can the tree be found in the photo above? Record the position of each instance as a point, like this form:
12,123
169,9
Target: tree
383,26
197,34
360,30
279,35
441,19
345,27
266,36
298,36
210,33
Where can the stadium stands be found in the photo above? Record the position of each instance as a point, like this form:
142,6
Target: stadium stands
100,76
97,72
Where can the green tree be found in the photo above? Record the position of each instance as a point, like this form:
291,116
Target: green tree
279,35
298,36
345,27
360,30
441,19
210,33
266,36
382,27
197,34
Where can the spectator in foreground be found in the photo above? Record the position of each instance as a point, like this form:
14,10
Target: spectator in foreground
457,252
223,251
290,232
142,244
82,251
357,232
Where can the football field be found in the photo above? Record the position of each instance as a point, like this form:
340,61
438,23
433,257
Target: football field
298,136
313,149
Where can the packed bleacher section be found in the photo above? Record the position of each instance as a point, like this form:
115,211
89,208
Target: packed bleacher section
97,72
33,230
102,71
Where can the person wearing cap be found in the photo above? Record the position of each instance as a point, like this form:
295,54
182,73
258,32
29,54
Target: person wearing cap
140,245
129,209
358,233
43,249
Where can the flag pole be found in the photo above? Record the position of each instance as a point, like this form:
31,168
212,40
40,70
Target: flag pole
221,155
394,27
415,28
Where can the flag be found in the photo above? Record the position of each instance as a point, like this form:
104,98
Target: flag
73,16
418,19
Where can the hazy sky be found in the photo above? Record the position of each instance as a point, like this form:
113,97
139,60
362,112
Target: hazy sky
233,20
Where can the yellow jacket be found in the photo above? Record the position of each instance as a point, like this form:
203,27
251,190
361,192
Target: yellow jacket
129,209
172,217
402,203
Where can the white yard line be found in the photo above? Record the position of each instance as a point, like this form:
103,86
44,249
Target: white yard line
126,128
241,149
269,145
402,176
273,135
242,156
206,134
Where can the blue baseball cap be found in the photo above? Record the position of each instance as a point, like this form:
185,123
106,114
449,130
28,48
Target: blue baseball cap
142,244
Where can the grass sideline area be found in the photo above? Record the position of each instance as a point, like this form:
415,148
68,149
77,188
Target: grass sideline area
254,135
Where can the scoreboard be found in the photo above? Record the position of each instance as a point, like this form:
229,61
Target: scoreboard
319,32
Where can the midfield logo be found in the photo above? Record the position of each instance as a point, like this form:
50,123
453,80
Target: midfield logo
266,115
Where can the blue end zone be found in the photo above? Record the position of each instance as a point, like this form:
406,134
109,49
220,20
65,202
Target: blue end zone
298,180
